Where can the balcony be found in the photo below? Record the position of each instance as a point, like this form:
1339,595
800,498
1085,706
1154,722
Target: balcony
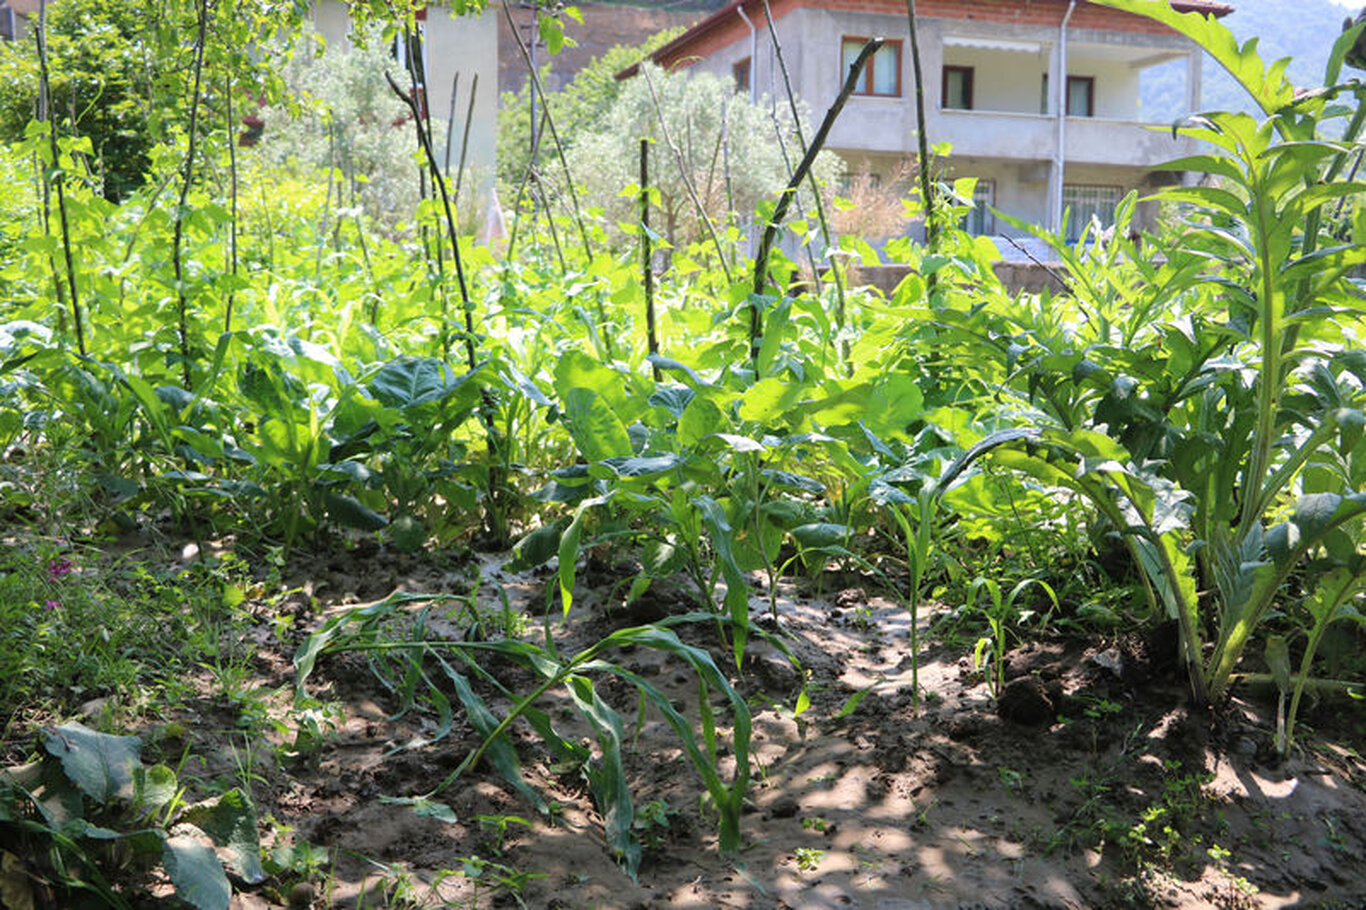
1034,137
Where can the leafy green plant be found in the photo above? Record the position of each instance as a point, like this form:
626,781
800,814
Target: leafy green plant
90,808
808,858
989,652
1226,460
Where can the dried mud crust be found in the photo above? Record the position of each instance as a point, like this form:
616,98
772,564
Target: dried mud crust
1088,784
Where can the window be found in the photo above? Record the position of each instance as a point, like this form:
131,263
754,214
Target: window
1081,96
980,221
956,90
741,73
1087,203
881,75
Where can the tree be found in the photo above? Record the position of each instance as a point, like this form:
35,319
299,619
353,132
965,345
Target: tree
734,153
577,108
102,79
349,119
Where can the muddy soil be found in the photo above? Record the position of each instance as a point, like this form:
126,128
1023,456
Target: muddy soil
1090,782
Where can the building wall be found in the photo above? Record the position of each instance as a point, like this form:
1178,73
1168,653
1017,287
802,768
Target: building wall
1005,138
463,45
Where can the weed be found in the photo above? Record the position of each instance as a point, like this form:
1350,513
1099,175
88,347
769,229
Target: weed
808,858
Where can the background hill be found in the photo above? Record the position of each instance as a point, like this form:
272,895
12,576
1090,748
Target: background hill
1303,30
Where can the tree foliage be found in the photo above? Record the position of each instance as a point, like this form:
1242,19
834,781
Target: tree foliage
342,114
577,108
102,80
735,153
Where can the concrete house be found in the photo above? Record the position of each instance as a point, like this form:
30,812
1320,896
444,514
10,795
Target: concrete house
1038,143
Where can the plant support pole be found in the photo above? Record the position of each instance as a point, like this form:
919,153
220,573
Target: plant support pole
923,143
646,257
840,306
554,133
186,178
756,318
59,180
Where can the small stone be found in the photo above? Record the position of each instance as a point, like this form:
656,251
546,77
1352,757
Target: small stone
301,896
784,807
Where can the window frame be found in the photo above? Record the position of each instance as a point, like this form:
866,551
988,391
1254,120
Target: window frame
983,201
745,66
1098,199
970,76
864,89
1090,83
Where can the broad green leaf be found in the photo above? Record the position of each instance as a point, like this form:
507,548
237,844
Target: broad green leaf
153,787
576,370
700,419
597,430
406,382
195,871
821,534
349,511
100,764
537,547
673,399
770,400
1269,88
644,466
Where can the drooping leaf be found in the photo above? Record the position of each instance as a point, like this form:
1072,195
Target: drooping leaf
349,511
194,869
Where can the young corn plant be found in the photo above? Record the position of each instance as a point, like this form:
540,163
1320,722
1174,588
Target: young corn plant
419,655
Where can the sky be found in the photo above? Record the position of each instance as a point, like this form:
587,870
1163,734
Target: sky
1353,4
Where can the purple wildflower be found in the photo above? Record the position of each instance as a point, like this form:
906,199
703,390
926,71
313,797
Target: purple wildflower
52,605
59,569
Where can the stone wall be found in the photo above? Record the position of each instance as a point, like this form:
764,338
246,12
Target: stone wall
605,25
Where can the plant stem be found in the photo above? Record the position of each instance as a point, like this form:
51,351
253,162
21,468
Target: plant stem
683,174
554,133
232,237
785,199
840,306
922,142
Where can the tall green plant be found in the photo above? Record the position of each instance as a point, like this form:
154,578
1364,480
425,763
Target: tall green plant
1228,459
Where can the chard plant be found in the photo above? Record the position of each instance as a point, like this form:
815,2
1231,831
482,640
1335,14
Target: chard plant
89,806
